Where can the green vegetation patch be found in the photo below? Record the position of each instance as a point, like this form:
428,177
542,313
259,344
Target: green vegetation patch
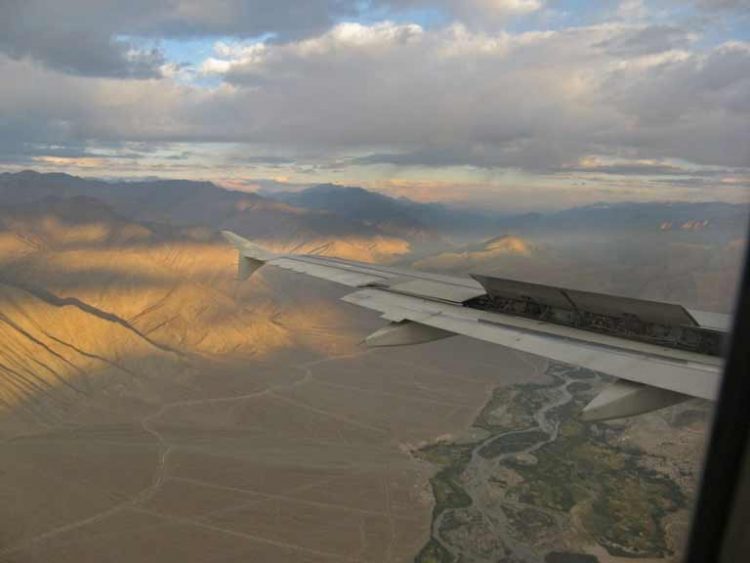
446,484
626,502
531,521
512,408
622,504
626,515
511,443
448,491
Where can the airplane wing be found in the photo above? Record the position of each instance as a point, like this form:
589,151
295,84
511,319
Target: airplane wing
660,353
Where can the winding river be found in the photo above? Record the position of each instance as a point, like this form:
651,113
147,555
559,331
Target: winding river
486,459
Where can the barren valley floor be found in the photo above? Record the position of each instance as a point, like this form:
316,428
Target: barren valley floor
296,459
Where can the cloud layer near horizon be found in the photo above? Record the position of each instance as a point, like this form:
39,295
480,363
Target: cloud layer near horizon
626,93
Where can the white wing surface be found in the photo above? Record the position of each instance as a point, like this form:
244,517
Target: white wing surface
661,353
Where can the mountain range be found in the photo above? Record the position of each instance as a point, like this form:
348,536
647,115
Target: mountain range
329,210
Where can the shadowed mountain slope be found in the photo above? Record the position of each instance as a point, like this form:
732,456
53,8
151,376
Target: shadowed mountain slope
421,221
182,202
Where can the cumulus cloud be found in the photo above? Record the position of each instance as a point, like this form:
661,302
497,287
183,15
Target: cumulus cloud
87,38
533,100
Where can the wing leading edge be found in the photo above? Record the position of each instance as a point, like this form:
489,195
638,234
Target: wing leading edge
661,353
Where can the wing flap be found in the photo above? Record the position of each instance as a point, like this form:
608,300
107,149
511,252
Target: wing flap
600,303
650,365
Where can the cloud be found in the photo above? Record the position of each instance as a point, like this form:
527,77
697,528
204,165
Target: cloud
719,5
649,40
658,172
88,38
535,100
399,84
634,168
410,96
694,107
481,14
103,38
39,31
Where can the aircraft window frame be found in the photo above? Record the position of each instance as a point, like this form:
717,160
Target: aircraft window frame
721,517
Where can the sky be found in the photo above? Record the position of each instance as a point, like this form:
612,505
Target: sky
506,104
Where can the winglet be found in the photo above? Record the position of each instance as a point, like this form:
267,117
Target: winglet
251,256
247,248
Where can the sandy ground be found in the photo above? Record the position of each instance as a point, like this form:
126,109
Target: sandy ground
299,453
